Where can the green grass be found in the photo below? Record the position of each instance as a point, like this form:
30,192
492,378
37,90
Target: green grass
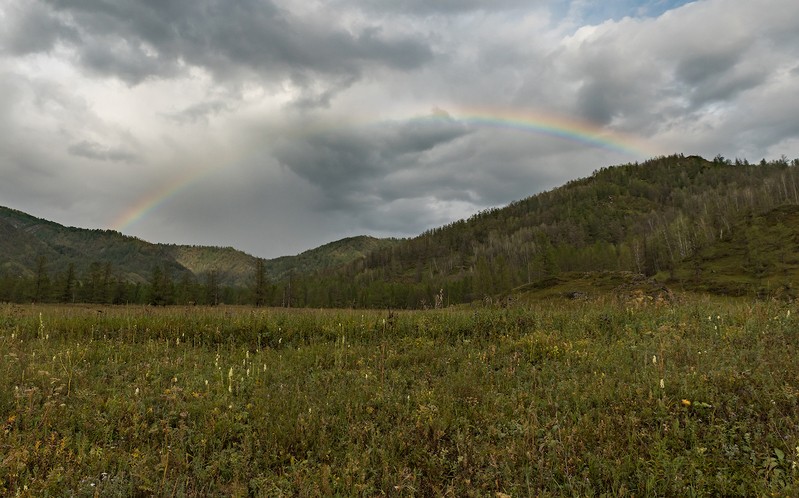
559,399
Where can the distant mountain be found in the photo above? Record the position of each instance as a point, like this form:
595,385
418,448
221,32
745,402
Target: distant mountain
26,240
328,257
237,268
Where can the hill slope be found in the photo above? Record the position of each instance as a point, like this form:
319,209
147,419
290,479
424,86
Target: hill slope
642,218
27,241
760,255
237,268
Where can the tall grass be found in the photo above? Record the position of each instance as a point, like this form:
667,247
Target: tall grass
559,399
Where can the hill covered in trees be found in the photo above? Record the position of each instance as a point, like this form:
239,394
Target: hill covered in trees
721,226
647,218
44,261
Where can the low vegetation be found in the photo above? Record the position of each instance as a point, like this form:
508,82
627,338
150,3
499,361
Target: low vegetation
566,398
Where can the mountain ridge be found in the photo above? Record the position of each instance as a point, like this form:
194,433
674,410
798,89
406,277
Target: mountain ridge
24,239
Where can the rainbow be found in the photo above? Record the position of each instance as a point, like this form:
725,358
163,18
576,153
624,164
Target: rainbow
552,125
156,198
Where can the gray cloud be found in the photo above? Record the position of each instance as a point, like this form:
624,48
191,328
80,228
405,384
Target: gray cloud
200,112
349,166
93,150
32,27
713,77
134,41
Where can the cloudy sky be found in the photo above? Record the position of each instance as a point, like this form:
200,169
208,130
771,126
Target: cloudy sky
275,126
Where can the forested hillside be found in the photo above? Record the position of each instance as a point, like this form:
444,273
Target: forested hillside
647,218
760,255
44,261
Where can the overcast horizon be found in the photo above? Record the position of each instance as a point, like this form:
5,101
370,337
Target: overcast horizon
276,126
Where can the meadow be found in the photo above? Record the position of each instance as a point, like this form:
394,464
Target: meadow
600,398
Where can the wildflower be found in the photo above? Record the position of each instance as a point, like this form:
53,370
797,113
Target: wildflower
137,391
686,402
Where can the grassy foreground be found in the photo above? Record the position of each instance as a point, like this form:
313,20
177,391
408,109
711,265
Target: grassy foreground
563,399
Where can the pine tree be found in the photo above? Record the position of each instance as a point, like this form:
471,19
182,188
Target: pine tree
41,281
260,283
68,291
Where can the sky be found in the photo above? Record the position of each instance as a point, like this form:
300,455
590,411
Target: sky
275,126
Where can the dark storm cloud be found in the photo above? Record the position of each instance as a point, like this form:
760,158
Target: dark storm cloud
600,99
137,40
350,166
713,77
611,89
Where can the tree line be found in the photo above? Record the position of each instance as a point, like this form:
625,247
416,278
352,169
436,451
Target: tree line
103,284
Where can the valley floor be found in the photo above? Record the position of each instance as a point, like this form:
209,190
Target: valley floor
698,398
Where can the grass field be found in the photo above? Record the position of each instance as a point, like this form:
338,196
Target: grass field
558,399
